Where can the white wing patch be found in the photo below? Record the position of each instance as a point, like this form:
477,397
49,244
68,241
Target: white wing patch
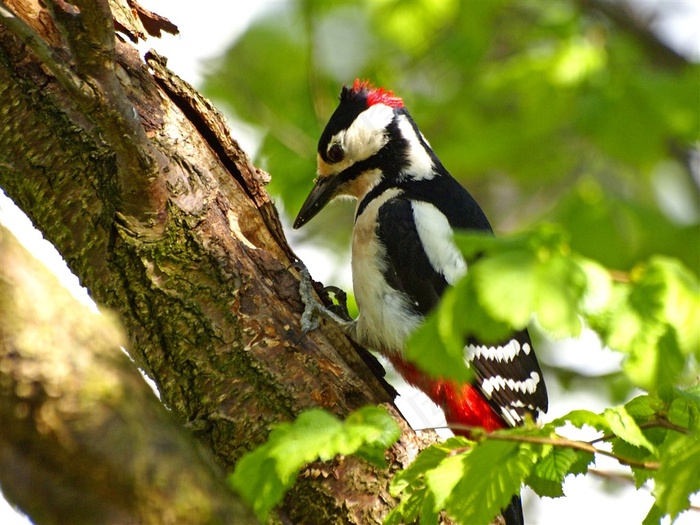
528,386
435,235
511,416
505,353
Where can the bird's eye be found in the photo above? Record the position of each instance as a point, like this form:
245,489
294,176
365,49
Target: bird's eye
336,153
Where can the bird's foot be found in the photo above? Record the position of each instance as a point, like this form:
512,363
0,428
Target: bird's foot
340,307
314,310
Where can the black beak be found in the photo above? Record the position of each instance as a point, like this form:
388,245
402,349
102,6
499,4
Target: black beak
321,194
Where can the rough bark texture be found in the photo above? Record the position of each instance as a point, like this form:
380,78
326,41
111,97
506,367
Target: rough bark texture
167,223
71,402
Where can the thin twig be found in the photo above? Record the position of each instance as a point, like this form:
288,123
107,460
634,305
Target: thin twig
606,474
559,441
661,422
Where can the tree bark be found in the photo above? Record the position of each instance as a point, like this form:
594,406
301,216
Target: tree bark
70,402
136,180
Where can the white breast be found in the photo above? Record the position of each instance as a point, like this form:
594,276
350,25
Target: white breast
386,317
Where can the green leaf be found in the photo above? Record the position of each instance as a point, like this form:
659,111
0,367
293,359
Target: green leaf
264,475
654,516
644,407
410,484
442,480
624,426
528,274
507,284
428,459
547,478
652,320
684,408
493,472
418,503
598,291
679,301
581,418
435,350
679,474
472,319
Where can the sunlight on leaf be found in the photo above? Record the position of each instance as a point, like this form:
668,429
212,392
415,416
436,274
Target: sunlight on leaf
679,475
263,475
547,479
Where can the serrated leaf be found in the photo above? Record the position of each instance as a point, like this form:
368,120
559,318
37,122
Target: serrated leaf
410,484
474,319
547,478
626,450
437,346
684,409
442,479
581,418
654,516
493,472
625,427
654,357
561,286
678,292
679,474
599,289
582,462
653,319
263,475
427,460
408,509
538,277
643,407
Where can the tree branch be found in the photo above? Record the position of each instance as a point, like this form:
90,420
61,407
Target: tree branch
89,33
88,29
75,412
79,89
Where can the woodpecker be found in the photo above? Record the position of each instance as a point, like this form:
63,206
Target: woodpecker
404,257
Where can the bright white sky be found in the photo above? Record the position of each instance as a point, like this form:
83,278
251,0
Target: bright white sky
205,31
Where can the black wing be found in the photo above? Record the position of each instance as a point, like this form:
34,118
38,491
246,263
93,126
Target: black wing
508,374
408,269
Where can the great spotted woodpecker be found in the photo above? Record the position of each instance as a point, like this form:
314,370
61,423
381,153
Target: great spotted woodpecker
404,257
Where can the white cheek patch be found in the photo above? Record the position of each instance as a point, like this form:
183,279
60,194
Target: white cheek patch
420,165
435,234
367,134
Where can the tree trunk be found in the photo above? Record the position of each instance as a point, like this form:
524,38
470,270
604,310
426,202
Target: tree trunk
134,177
70,402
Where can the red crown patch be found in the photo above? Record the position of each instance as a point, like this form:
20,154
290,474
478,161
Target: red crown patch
377,95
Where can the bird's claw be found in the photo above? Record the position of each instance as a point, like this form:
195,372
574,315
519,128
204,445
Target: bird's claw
314,311
340,308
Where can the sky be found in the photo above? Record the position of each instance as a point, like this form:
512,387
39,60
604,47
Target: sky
204,36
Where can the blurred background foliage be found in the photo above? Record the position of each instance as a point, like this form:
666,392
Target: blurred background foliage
572,112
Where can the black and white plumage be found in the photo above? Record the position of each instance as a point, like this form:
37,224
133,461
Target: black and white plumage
404,256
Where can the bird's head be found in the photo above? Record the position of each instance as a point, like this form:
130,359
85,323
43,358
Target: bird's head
368,138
